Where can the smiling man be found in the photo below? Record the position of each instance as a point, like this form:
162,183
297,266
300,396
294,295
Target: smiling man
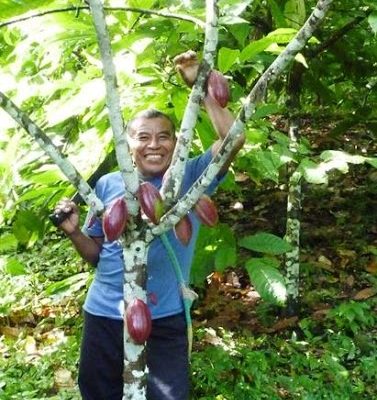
151,138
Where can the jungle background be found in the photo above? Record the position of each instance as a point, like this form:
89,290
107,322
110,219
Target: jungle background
248,343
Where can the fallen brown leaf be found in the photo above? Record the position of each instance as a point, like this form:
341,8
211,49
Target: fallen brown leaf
365,293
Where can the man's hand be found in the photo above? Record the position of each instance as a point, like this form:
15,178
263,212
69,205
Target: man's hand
187,65
71,223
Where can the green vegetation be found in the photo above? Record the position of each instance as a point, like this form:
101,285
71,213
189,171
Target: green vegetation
246,346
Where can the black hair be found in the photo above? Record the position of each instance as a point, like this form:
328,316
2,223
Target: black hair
150,113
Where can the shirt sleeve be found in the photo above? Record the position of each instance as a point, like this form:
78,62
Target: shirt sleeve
93,225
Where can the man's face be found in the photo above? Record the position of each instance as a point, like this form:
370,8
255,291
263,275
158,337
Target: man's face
152,144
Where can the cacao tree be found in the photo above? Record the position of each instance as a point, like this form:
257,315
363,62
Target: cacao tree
139,233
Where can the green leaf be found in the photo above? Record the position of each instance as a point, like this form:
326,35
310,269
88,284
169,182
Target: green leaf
277,14
14,8
265,243
372,20
240,32
295,13
266,110
372,161
8,243
226,58
267,280
14,267
226,256
70,285
27,227
312,172
281,35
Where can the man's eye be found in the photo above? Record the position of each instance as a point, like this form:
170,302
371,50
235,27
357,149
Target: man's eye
164,137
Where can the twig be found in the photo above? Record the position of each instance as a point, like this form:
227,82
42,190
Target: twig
164,14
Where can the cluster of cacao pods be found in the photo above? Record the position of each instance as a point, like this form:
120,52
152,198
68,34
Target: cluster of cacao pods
138,321
114,220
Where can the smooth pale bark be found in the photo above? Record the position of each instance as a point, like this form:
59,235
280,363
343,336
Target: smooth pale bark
53,152
292,236
124,159
172,183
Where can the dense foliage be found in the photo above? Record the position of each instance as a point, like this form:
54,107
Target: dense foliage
49,66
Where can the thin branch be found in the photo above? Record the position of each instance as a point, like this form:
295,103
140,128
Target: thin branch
164,14
55,154
339,34
124,159
172,185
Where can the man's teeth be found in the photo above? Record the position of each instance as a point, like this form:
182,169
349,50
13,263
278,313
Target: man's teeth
153,157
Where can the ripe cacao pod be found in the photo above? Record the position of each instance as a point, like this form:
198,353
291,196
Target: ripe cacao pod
114,220
183,230
206,211
151,202
139,321
218,88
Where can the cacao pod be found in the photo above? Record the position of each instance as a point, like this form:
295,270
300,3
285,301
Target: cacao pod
218,88
183,230
114,220
206,211
151,202
139,321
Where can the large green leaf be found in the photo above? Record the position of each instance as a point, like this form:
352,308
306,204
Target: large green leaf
226,58
295,13
264,242
267,280
14,8
280,36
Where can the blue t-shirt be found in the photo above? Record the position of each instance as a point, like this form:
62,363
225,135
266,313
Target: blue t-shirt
105,295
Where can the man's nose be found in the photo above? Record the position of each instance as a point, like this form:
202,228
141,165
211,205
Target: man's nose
154,141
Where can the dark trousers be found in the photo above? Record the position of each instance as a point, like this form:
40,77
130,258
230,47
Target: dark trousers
101,359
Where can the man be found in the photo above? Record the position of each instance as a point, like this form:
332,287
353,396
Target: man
151,140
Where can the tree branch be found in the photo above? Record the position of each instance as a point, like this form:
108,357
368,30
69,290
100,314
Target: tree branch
124,159
164,14
172,184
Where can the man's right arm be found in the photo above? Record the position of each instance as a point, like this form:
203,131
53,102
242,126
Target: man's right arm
88,247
